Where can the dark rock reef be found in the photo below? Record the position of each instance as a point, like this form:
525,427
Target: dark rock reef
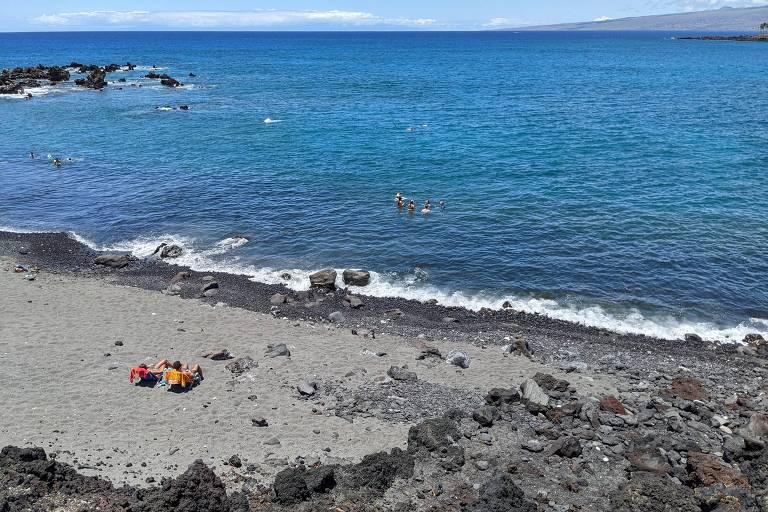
31,482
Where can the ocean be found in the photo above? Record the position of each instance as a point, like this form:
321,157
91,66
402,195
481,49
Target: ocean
613,179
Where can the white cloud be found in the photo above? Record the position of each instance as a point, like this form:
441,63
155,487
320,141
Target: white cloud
226,19
602,18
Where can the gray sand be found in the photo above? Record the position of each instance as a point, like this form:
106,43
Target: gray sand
66,395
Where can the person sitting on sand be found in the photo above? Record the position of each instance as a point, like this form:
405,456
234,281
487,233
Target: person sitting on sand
159,371
181,375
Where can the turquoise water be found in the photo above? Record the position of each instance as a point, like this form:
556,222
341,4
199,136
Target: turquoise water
613,179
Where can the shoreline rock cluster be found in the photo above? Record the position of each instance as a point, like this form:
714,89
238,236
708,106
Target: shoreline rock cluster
757,38
18,80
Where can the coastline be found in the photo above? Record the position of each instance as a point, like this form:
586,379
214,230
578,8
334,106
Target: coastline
73,312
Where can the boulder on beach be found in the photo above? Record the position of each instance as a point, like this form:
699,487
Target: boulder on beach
114,260
353,301
323,280
458,358
241,365
356,277
401,374
532,396
168,251
279,350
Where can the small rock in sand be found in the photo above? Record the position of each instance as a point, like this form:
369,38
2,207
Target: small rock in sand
401,374
259,421
241,365
218,355
427,351
278,298
458,358
306,388
353,301
336,317
279,350
235,461
180,276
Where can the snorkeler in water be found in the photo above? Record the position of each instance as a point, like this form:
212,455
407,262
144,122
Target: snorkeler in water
442,204
400,202
411,205
56,162
31,155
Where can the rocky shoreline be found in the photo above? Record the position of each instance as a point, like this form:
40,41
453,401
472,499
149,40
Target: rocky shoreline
685,430
758,38
19,80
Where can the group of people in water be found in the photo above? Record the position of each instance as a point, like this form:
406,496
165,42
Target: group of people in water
55,161
426,208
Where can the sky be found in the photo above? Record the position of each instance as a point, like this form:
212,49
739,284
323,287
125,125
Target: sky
65,15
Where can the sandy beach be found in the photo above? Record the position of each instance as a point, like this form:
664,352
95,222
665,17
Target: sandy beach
60,333
71,331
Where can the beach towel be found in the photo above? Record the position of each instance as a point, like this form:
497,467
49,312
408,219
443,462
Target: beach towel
140,373
173,377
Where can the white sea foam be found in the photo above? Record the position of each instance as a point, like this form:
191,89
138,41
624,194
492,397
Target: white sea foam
269,120
415,286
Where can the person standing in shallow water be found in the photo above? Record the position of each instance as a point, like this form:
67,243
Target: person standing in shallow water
398,198
411,206
400,202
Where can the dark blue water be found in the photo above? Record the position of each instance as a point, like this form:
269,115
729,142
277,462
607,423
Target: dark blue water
613,179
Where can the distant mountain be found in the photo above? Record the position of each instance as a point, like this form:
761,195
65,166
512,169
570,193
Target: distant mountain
726,19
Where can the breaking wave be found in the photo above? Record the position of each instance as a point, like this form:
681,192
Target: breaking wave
222,257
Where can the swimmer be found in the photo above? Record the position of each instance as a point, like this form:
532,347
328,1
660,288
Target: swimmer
411,206
426,208
399,202
398,197
427,205
442,204
56,162
31,155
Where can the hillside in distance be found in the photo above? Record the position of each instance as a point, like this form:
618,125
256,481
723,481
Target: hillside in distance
726,19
